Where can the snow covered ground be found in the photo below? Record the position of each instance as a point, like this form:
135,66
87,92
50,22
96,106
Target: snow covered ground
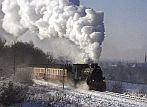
82,98
53,95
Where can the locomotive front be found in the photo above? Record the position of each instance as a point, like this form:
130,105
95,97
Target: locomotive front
95,80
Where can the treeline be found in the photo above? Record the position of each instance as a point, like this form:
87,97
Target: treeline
20,54
126,72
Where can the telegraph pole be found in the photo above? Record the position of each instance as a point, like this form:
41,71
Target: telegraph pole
145,60
14,61
63,77
14,56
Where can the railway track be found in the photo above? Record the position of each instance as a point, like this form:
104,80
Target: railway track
108,97
126,96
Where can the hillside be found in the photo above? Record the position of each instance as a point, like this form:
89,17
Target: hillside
20,54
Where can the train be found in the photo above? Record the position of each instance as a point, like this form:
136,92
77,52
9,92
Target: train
71,73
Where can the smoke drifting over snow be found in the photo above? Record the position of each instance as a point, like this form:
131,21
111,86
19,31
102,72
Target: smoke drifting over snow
82,27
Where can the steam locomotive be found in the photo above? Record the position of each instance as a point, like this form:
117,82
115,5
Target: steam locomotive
94,76
95,80
76,73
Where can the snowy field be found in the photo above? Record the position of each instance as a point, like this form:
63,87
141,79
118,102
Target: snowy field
81,98
46,94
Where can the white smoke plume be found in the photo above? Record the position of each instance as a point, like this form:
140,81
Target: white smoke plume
56,19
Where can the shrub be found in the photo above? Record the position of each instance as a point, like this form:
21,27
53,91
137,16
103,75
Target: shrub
11,93
140,92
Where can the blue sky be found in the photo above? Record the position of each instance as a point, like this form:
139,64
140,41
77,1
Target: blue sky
126,28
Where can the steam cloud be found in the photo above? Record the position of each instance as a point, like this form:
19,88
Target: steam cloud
56,19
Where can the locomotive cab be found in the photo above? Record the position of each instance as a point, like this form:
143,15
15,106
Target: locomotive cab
95,80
